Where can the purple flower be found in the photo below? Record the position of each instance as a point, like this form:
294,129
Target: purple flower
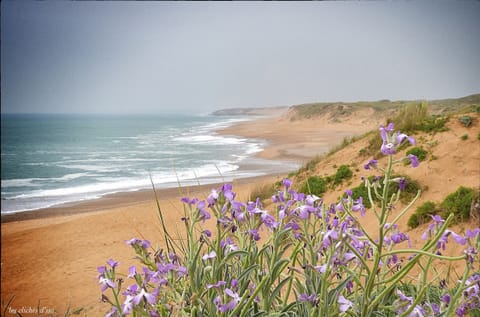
228,245
472,233
402,136
212,198
131,290
131,272
267,219
321,268
217,285
207,232
210,255
101,270
311,199
189,201
287,183
403,297
134,242
344,304
370,164
413,160
437,219
358,206
230,305
304,212
228,193
391,140
387,148
254,234
461,311
402,184
306,298
399,237
113,312
181,271
106,283
458,238
204,214
349,192
112,263
150,298
446,299
330,236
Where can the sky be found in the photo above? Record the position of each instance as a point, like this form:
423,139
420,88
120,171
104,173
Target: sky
154,57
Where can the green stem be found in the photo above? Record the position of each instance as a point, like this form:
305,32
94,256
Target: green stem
251,298
378,247
404,271
457,294
433,255
400,215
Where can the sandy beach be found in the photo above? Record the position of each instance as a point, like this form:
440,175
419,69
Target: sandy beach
49,257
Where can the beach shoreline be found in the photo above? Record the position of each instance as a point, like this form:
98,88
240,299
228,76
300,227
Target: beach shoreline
51,255
122,199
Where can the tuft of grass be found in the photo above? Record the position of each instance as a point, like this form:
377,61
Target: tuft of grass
310,165
263,191
464,137
411,117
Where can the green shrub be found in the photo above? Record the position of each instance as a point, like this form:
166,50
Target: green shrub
458,203
343,172
464,137
418,152
478,136
433,124
422,214
314,185
466,121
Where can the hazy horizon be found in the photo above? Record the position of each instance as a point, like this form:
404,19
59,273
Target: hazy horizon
174,57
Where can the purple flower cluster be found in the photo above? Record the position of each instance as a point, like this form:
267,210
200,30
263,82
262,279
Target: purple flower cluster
471,296
142,296
391,140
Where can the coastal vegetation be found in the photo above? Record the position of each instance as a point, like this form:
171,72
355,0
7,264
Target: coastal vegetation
301,255
459,203
335,109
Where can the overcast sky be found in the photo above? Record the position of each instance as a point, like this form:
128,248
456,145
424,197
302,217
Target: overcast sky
143,57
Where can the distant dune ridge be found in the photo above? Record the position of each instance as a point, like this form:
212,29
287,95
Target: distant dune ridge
68,248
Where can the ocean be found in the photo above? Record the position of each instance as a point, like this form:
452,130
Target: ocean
47,160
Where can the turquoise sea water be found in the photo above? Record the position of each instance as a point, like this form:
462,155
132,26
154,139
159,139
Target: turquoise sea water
52,159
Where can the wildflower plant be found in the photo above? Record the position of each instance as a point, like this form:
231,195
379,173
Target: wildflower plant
302,257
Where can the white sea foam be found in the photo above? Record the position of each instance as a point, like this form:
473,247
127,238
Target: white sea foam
168,154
